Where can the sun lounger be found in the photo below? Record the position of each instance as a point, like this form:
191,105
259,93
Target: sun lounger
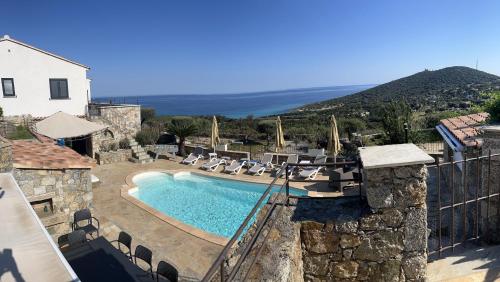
194,156
213,164
291,159
263,165
312,171
234,167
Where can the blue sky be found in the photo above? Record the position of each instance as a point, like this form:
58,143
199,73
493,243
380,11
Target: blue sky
177,47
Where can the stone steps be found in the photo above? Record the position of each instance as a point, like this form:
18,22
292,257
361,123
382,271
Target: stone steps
139,155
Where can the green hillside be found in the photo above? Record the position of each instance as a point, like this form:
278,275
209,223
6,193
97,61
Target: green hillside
452,88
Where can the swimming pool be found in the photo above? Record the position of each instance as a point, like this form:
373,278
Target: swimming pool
212,204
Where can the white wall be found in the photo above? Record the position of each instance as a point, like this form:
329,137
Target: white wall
31,71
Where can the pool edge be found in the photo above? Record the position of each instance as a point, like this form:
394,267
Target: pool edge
196,232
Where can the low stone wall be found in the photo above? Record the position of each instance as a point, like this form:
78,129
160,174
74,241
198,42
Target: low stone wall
58,193
111,157
5,155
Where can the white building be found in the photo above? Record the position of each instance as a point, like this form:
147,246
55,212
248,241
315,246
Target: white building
37,83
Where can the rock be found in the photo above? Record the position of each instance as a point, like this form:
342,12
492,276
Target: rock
388,271
316,265
347,254
372,222
367,270
346,224
319,241
410,193
39,190
392,217
48,180
380,246
379,196
349,241
415,230
347,269
415,267
403,171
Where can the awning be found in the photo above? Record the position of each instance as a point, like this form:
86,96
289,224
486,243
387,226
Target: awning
63,125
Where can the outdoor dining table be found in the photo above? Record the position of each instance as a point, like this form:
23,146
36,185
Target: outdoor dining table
99,260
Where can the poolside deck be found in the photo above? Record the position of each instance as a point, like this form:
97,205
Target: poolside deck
191,255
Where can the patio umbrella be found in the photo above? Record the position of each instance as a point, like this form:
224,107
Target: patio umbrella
333,138
214,139
280,140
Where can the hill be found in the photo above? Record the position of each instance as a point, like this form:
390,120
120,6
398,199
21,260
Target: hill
451,88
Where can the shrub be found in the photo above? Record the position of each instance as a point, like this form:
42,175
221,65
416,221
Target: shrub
1,112
124,144
113,146
147,136
493,107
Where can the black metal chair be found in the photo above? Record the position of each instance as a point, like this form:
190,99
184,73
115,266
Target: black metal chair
85,216
124,239
166,270
145,255
76,238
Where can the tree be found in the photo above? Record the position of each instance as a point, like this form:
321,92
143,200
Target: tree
395,116
493,106
351,125
147,114
182,128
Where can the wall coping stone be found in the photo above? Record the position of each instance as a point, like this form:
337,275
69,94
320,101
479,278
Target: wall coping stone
393,156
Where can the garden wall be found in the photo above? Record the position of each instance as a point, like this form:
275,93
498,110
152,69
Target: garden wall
121,155
56,194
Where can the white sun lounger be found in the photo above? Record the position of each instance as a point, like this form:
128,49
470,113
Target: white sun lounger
193,157
265,163
310,173
291,159
213,164
234,167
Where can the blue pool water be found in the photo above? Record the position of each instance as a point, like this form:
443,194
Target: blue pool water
212,204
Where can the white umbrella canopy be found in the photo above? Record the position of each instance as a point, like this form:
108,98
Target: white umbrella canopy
280,139
214,139
333,137
63,125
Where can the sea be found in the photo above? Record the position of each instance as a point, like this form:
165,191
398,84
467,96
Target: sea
236,105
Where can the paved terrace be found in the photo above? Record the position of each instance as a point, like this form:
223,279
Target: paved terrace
191,255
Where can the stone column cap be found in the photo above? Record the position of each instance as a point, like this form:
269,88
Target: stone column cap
393,156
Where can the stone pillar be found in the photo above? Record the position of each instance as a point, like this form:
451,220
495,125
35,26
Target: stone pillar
395,188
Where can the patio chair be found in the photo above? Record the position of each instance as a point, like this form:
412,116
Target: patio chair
85,216
166,270
213,164
235,167
193,158
263,165
124,239
146,256
76,238
312,171
291,159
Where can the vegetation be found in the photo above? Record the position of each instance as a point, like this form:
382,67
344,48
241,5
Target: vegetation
147,114
20,133
396,121
182,128
492,106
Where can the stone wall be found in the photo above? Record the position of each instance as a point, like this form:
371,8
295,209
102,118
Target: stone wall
111,157
380,237
5,155
56,195
124,121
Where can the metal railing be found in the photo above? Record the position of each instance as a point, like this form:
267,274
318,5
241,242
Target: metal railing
459,212
219,266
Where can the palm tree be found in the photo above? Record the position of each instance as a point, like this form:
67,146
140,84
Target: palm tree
182,128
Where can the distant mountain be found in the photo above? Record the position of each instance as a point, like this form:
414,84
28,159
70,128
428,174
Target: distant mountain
445,89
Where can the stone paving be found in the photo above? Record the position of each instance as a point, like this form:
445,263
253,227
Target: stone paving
191,255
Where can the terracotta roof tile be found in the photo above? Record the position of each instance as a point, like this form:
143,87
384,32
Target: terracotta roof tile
464,128
47,155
